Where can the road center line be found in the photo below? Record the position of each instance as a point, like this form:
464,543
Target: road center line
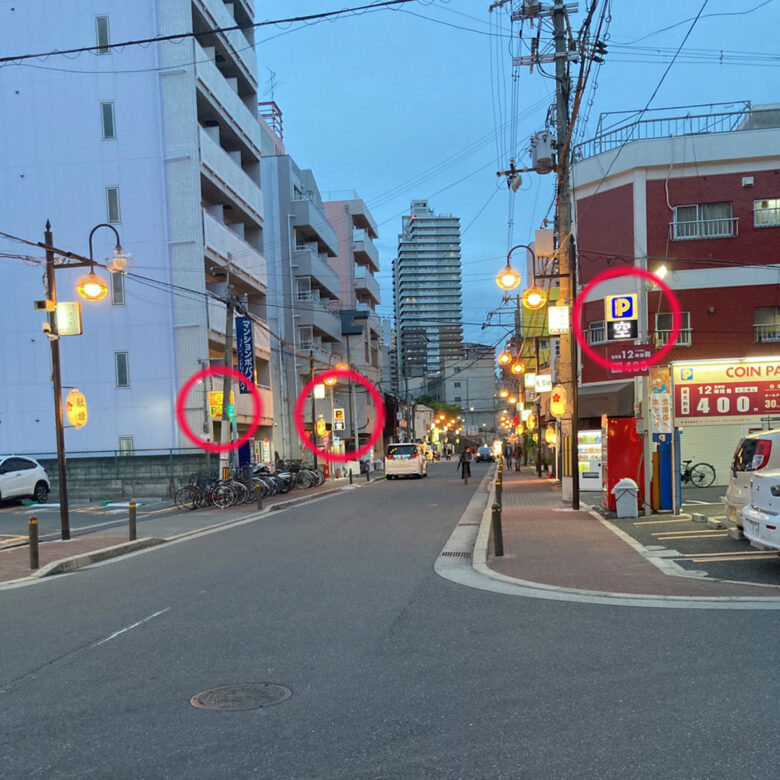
127,628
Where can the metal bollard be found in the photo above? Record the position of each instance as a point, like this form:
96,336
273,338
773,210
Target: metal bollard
132,533
259,496
350,476
499,490
498,536
33,542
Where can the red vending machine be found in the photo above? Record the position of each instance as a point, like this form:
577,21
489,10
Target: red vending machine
621,456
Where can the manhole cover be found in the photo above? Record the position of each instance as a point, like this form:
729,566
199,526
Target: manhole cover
249,696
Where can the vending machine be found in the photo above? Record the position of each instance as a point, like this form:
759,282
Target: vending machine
621,456
589,460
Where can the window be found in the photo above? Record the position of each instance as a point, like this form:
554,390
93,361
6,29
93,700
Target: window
107,121
457,398
125,445
596,332
663,327
766,324
112,204
122,369
103,39
306,337
703,220
456,384
303,288
117,289
766,213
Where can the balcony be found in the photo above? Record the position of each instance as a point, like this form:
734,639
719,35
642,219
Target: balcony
364,250
373,322
366,283
245,406
235,42
221,241
309,215
311,311
766,333
690,230
222,171
684,339
226,102
307,261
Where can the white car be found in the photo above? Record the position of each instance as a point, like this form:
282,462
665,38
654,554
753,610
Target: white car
761,517
21,477
405,459
754,453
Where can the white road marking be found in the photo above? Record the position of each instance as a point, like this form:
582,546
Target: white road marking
127,628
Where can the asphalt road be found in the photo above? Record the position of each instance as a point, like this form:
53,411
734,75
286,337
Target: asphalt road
394,672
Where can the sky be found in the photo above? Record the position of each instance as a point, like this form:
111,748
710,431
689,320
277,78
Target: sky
422,101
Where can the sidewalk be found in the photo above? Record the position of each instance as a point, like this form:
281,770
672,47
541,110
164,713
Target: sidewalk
110,539
547,543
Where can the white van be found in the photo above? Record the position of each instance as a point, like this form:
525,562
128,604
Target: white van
406,459
761,517
754,453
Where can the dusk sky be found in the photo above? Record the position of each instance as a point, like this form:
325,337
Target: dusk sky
417,102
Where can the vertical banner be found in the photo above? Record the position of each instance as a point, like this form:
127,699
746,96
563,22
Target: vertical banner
661,398
245,347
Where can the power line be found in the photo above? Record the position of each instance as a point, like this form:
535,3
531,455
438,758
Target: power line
182,36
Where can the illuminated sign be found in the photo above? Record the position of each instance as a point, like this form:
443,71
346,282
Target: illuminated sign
620,307
68,318
558,320
215,404
622,330
338,420
543,383
726,391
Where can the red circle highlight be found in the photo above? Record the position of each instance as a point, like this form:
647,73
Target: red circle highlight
372,391
182,419
621,365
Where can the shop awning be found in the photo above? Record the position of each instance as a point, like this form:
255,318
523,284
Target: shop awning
615,399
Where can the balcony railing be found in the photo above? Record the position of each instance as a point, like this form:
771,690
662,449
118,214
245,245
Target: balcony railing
223,241
767,333
704,228
683,338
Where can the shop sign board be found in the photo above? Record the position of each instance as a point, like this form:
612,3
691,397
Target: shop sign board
542,383
338,419
626,358
76,409
726,391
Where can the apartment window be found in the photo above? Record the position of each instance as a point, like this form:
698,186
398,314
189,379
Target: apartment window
703,220
122,369
597,332
663,327
117,289
125,445
303,288
103,39
456,384
306,337
112,204
107,121
766,213
766,325
457,398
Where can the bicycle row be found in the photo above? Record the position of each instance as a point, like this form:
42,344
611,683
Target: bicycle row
209,490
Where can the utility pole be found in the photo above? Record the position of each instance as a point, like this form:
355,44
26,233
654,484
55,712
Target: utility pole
54,341
227,382
567,260
313,407
538,414
352,411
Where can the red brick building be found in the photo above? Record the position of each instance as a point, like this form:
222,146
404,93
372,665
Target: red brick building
698,191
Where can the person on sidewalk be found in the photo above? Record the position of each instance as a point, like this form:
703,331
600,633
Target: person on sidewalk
508,455
464,463
518,455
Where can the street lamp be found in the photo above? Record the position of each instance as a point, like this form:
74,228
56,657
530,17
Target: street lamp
92,288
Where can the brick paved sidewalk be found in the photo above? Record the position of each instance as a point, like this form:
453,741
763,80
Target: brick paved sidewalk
547,543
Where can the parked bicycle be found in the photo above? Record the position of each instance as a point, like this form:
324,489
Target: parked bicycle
700,474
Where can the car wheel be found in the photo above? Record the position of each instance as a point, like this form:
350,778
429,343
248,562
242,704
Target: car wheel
41,493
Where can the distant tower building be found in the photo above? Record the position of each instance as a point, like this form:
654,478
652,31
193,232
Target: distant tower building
427,292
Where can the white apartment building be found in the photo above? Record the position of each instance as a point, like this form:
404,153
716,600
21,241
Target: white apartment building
163,143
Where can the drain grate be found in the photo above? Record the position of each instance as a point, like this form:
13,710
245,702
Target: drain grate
248,696
451,554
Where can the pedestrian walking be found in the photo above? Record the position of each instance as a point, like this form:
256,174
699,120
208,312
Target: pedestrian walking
518,455
464,464
508,455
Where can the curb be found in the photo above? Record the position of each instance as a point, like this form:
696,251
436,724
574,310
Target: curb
65,565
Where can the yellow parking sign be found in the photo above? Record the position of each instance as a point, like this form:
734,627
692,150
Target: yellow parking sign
620,307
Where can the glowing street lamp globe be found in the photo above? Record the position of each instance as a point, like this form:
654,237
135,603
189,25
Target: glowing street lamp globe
518,368
505,358
504,394
91,287
534,298
507,278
